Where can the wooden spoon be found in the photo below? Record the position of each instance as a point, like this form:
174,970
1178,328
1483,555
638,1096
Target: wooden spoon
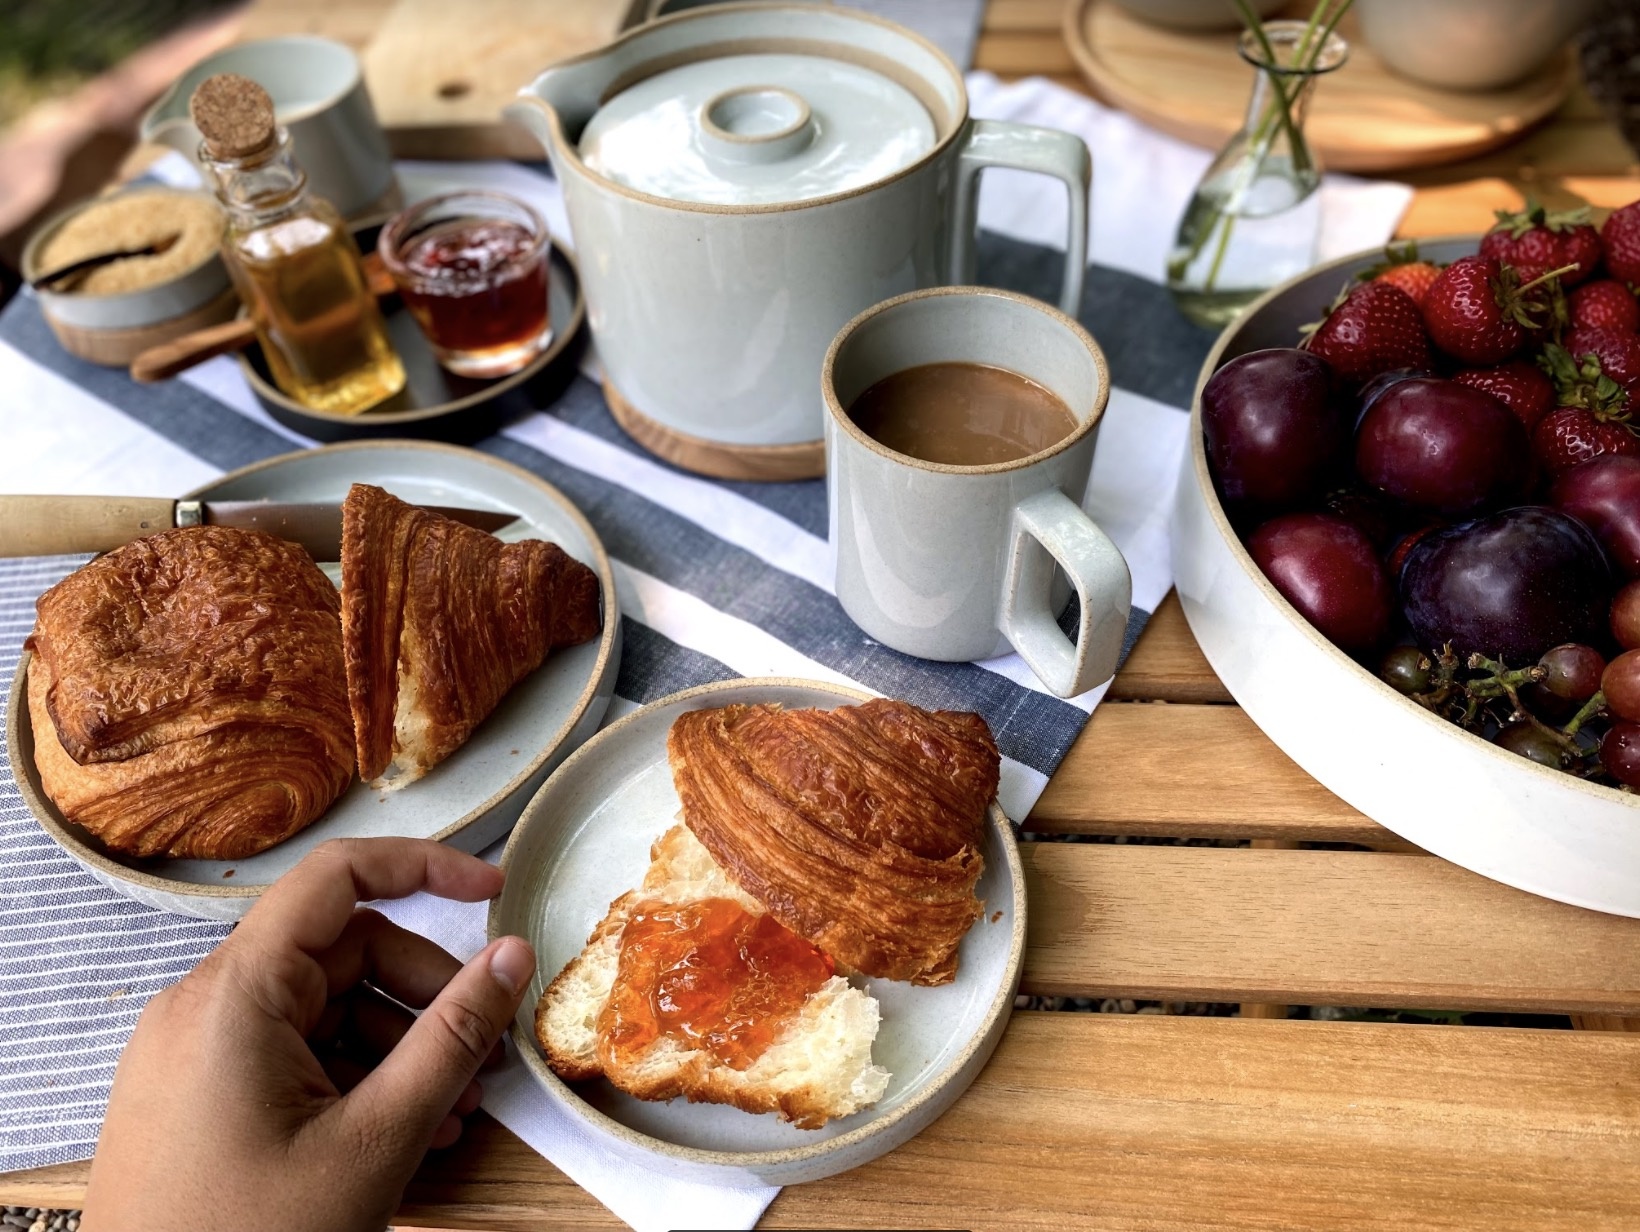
86,264
160,363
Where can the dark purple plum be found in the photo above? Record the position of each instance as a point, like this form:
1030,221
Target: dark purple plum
1275,429
1442,448
1604,494
1329,570
1381,384
1511,585
1366,510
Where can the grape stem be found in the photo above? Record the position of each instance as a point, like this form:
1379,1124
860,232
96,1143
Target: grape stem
1500,681
1592,707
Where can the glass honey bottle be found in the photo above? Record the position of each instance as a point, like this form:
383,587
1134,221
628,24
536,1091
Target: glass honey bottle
292,259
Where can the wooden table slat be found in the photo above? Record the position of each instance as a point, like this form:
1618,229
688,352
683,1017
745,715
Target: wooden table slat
1166,664
1314,928
1109,1121
1191,772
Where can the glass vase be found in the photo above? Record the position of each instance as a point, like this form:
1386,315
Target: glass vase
1255,217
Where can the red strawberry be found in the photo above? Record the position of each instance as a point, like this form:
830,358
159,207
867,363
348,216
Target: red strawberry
1536,241
1618,353
1518,385
1478,311
1620,241
1606,303
1403,268
1371,329
1592,418
1575,434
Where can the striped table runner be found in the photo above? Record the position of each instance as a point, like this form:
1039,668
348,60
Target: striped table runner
715,580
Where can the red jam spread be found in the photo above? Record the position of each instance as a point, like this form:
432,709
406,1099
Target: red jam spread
711,975
470,290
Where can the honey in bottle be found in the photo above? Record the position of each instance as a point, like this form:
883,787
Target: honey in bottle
291,258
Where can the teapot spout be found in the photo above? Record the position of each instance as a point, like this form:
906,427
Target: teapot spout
534,114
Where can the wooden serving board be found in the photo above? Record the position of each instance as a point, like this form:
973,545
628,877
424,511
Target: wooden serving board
1362,118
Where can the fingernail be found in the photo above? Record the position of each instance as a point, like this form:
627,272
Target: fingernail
512,964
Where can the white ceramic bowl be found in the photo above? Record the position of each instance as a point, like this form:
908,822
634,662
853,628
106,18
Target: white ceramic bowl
584,840
1432,783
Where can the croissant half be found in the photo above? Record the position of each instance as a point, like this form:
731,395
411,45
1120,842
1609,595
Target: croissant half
439,621
187,697
858,828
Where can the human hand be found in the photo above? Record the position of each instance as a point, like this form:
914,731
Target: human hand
275,1082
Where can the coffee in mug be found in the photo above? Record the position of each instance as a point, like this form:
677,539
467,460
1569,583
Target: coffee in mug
962,414
959,438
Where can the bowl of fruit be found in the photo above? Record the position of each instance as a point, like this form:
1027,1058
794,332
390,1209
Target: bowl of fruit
1407,537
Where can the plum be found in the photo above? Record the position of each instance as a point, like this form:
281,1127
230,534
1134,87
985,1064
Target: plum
1511,585
1442,448
1328,569
1275,427
1604,494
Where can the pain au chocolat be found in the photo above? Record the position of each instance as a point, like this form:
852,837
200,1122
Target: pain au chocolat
439,621
186,694
858,828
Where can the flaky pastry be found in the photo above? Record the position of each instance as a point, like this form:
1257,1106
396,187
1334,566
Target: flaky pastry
187,695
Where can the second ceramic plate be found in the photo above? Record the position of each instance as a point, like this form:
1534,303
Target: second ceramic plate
584,840
470,799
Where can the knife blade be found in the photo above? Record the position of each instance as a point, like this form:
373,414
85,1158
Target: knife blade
57,525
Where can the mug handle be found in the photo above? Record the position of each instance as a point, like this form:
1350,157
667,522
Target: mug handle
1047,528
1048,151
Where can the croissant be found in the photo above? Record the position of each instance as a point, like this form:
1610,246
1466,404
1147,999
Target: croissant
858,828
186,694
439,621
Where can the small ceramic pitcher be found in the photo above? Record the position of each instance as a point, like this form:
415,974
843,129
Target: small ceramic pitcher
319,95
957,562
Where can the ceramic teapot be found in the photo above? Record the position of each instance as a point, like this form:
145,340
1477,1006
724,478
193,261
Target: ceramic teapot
741,181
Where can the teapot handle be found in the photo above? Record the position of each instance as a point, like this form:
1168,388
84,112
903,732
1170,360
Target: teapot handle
1047,151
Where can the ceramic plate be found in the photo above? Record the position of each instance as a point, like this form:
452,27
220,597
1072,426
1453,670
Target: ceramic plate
468,800
584,840
434,402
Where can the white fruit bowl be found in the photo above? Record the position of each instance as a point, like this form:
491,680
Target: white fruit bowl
1432,783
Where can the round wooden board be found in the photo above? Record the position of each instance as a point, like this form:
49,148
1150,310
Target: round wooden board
1362,118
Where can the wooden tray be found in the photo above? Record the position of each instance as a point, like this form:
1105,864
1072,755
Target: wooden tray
1363,117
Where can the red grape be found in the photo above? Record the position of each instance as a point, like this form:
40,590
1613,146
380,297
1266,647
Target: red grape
1328,570
1510,585
1274,427
1572,672
1625,618
1406,669
1621,685
1604,494
1442,447
1531,742
1620,753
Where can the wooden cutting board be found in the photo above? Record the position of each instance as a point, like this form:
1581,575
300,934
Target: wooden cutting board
440,71
1363,117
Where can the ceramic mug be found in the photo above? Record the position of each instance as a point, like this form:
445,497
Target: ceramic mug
319,95
957,562
711,320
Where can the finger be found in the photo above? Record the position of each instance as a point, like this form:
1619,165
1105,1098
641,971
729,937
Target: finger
344,1071
446,1135
418,1083
372,949
310,905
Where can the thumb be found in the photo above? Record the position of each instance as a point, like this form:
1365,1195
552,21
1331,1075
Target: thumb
414,1087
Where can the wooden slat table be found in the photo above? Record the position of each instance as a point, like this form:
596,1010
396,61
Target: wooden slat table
1158,1122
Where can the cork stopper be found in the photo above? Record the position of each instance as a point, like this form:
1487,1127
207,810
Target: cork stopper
233,114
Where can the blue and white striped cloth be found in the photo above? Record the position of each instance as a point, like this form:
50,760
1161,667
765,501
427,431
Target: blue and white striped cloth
715,580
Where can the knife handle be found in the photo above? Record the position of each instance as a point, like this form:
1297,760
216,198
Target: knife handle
58,525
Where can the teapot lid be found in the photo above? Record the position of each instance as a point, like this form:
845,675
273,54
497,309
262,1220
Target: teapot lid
757,129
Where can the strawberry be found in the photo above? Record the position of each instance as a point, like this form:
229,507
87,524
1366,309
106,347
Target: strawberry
1478,311
1369,329
1403,268
1536,241
1605,303
1620,242
1618,353
1518,385
1574,434
1592,417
